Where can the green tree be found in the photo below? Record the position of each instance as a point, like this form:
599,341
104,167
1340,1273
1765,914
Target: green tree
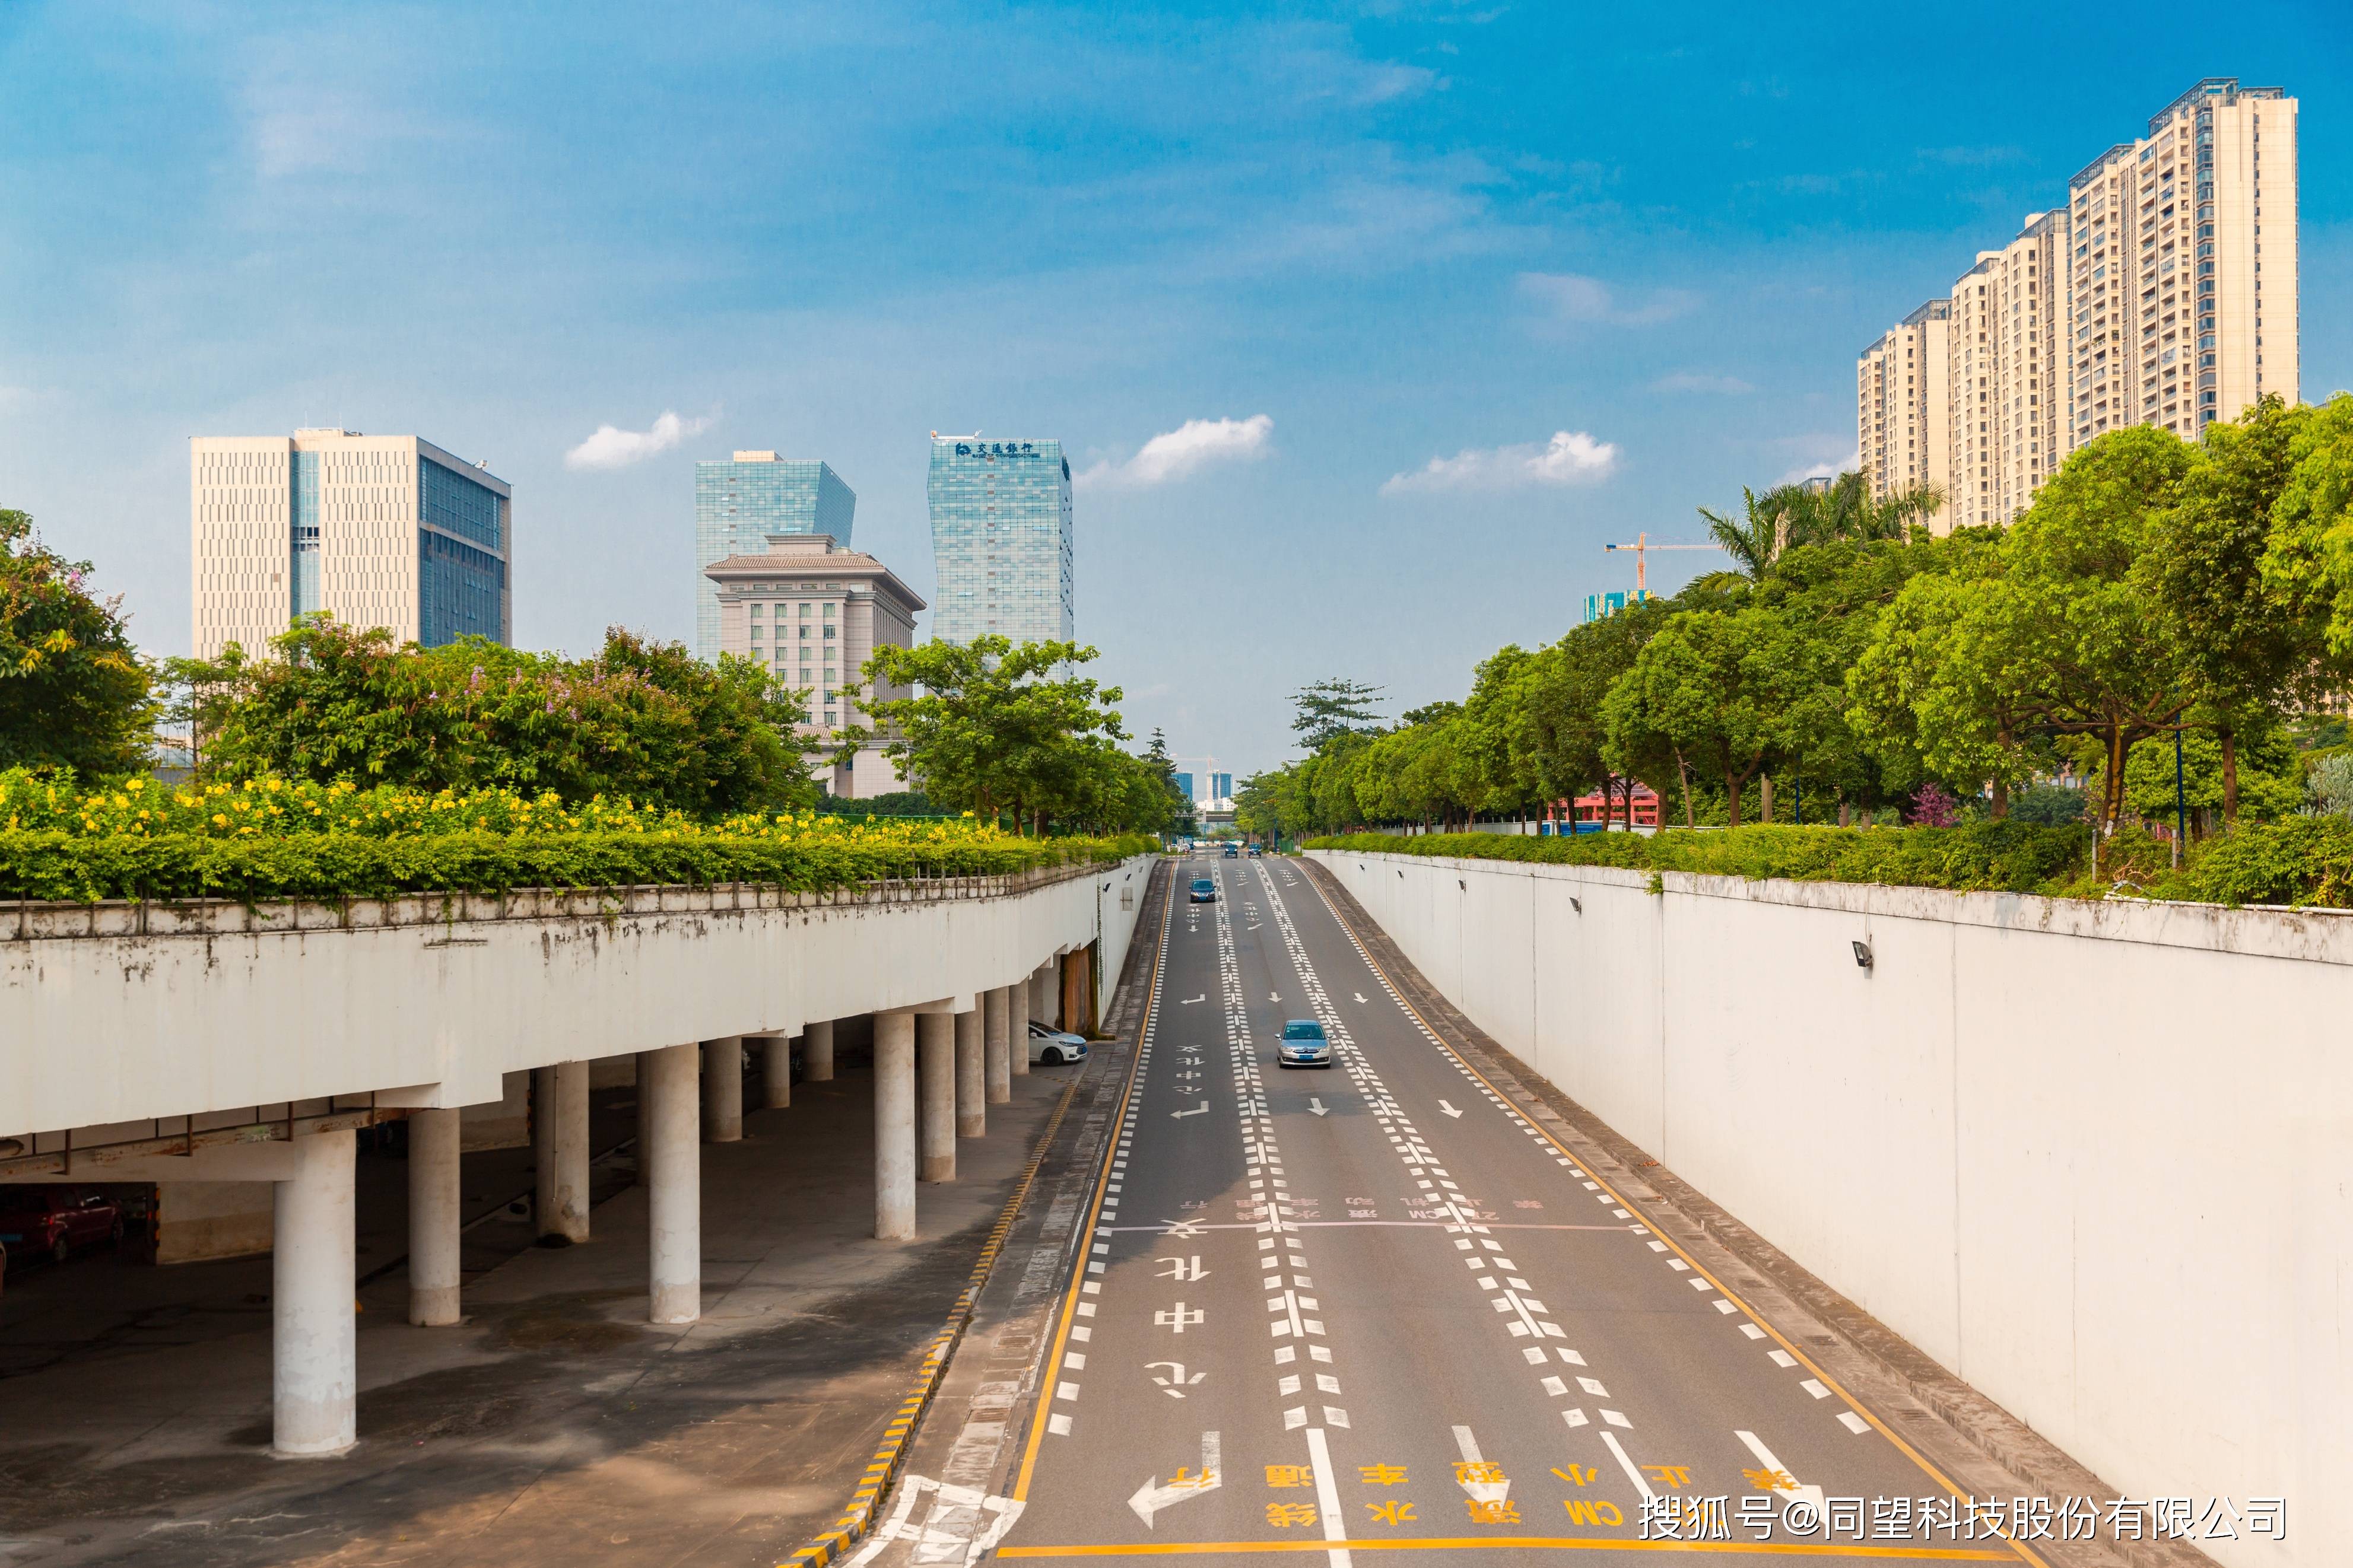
2255,650
1330,709
73,692
1701,692
642,718
992,727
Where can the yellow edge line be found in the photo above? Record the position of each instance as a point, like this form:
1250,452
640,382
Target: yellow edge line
860,1517
1515,1542
1094,1209
1537,1122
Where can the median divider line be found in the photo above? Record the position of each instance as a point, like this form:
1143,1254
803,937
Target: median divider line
1592,1170
858,1519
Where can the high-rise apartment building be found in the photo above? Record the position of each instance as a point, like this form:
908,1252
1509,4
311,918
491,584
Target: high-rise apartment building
2164,293
1001,540
376,530
1903,419
739,502
2008,389
2184,276
811,612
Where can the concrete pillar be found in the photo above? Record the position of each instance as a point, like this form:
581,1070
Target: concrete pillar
935,1089
559,1130
971,1073
895,1126
433,1217
314,1366
1045,1003
776,1072
995,1006
723,1090
1016,1026
669,1163
816,1051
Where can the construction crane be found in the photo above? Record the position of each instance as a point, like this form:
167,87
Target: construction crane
1641,547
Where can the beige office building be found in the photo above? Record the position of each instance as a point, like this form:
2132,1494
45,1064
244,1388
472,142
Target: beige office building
376,530
811,612
2007,387
1903,413
2184,279
2164,293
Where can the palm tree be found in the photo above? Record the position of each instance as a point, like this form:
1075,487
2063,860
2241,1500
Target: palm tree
1796,514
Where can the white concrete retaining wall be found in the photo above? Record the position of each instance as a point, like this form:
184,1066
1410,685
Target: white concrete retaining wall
2096,1159
114,1014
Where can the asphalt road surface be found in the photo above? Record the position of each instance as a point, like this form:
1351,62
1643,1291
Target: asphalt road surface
1377,1308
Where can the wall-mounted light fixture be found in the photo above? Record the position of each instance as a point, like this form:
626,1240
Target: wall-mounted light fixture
1862,958
1576,904
1462,884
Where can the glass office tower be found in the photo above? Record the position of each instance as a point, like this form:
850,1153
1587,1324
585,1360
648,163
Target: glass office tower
738,503
1001,540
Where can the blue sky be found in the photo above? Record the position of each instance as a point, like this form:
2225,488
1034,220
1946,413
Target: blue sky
1449,295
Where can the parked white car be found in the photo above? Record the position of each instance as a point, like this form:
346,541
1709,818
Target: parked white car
1052,1047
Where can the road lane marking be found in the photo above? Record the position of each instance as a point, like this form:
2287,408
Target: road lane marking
1772,1475
1152,1497
1521,1544
1609,1440
1058,1424
1449,1110
1483,1481
1857,1420
1327,1495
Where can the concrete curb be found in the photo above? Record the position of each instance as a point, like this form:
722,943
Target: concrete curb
875,1484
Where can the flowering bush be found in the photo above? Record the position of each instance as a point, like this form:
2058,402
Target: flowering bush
262,839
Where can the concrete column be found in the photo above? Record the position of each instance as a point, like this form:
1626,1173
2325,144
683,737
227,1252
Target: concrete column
971,1074
433,1210
1045,1001
995,1009
1017,1027
314,1364
936,1089
816,1051
723,1090
895,1126
559,1132
776,1072
669,1163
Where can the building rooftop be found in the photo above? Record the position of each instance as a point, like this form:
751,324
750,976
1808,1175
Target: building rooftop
793,554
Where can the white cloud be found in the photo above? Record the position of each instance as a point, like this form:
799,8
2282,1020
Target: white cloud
1826,470
612,448
1571,297
1693,380
1570,457
1178,453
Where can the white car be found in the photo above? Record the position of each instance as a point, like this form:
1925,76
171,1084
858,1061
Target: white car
1052,1047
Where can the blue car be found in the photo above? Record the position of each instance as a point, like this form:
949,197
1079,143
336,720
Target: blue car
1204,891
1304,1045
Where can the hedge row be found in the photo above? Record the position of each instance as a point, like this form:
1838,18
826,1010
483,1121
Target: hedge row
49,864
2303,860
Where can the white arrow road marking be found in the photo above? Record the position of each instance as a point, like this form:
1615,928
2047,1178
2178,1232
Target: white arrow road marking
1765,1457
1316,1106
1272,996
1485,1492
1327,1495
1627,1465
1203,1109
1360,996
1152,1497
1448,1108
1189,1001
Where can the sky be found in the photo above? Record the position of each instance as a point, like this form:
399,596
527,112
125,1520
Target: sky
1366,326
